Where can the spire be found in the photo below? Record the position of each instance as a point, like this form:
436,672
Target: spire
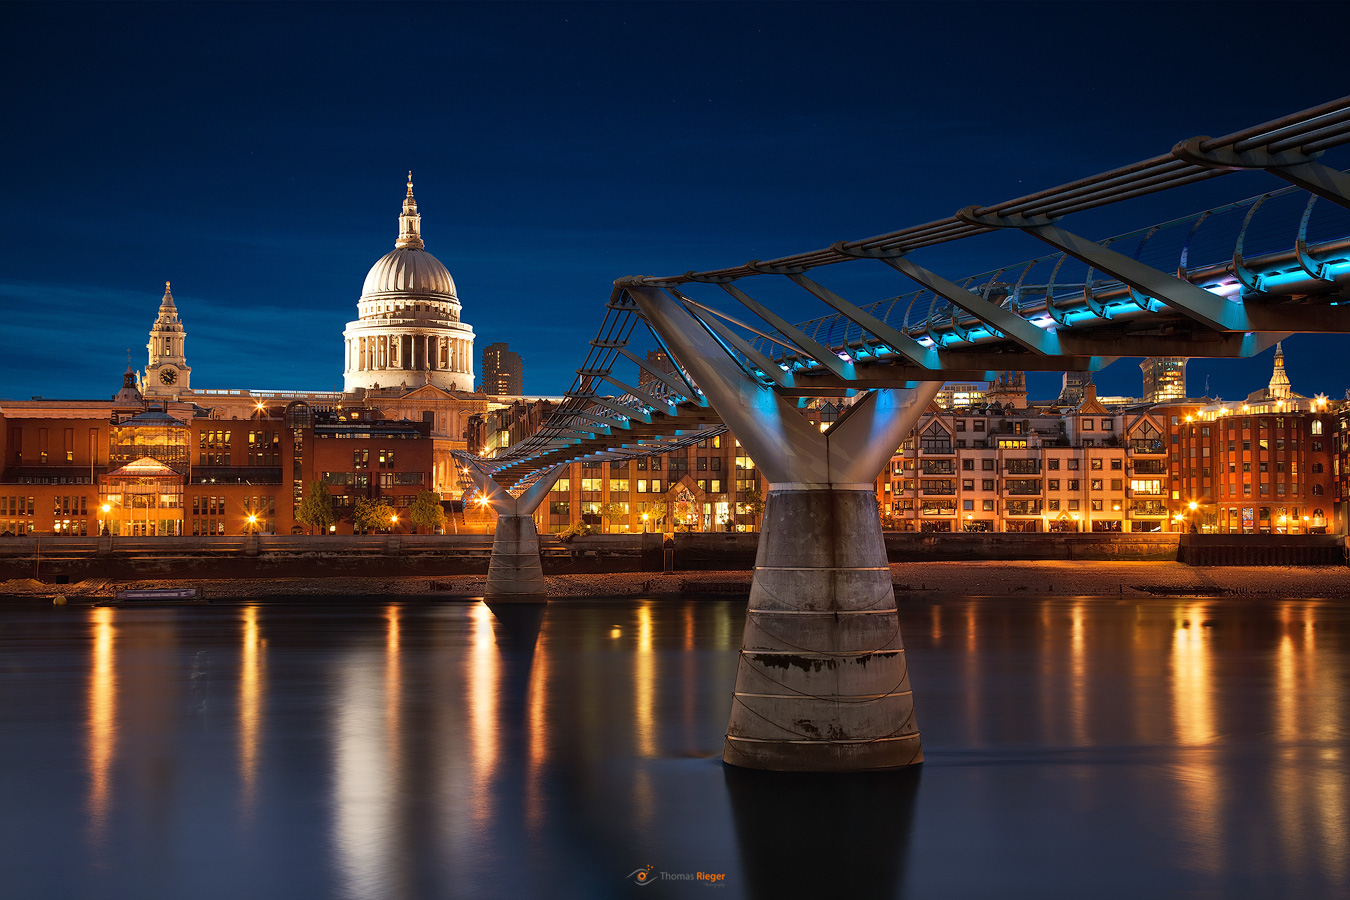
1279,388
410,223
168,312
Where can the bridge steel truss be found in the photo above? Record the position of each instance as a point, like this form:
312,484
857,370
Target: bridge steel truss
823,683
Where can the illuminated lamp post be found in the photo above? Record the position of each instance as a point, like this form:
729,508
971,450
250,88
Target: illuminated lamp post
482,503
393,524
1193,518
1305,524
644,523
107,508
252,523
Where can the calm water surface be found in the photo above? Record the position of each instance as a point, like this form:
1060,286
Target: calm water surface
400,750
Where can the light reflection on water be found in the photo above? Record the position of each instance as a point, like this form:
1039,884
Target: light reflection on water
251,680
1083,747
102,721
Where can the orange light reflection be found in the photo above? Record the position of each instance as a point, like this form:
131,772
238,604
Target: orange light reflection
644,687
483,675
1194,723
102,719
250,707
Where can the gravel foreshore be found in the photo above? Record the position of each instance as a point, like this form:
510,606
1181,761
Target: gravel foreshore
980,578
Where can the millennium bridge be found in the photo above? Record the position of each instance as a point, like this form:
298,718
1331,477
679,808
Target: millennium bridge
822,682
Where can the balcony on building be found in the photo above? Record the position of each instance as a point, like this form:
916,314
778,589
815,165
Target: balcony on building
1148,509
1147,447
1022,507
937,507
236,475
1022,487
936,442
937,487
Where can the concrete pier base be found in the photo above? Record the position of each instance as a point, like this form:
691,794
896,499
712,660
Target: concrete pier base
823,683
515,574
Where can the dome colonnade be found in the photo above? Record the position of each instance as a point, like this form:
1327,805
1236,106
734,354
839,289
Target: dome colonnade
409,330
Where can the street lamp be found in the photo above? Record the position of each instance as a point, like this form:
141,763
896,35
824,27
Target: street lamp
644,523
252,523
393,522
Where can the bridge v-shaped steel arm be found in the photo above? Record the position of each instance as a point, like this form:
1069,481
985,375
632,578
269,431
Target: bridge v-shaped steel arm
1016,328
783,444
503,503
810,346
1194,302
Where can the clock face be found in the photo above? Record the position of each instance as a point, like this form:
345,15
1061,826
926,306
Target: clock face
168,376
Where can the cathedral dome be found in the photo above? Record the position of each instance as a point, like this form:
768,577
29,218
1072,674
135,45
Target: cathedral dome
408,270
408,331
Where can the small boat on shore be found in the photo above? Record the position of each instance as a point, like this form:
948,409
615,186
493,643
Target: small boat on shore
157,597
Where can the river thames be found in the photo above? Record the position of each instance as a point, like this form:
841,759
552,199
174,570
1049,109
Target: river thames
368,749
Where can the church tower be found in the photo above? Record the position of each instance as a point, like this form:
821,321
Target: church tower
167,373
1279,387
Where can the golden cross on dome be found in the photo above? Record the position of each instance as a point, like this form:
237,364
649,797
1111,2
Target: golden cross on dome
410,182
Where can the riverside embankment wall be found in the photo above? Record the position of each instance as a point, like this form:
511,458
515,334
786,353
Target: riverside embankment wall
57,558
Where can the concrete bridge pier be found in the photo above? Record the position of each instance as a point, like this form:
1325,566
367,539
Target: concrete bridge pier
822,683
515,573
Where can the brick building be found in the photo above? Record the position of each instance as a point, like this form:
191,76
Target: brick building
708,486
1004,468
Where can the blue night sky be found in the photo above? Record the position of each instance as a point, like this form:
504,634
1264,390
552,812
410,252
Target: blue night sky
255,155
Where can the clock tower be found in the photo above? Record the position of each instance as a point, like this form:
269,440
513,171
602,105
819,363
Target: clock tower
167,374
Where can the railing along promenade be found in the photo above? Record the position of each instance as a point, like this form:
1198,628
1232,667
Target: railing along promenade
57,560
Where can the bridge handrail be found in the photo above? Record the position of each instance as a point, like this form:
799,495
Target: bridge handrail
839,333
